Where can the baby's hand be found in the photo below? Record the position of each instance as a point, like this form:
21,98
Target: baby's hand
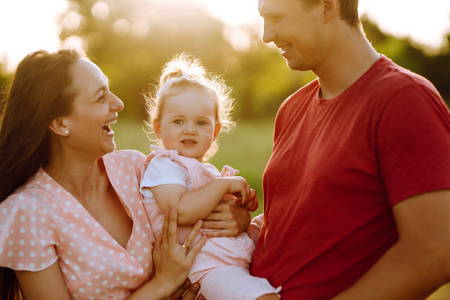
252,204
238,187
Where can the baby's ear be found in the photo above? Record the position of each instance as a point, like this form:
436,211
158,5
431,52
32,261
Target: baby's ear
217,130
157,128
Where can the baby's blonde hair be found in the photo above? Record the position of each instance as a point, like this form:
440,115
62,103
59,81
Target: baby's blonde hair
186,71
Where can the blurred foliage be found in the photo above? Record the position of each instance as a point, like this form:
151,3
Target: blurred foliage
5,81
153,31
131,40
433,64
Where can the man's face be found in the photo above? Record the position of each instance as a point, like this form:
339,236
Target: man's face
296,28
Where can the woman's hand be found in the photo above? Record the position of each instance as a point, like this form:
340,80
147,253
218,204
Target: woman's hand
172,261
227,219
189,291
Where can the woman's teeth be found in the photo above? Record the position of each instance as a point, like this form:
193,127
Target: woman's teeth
106,127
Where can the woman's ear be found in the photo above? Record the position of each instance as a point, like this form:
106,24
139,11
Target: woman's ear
217,130
58,127
157,128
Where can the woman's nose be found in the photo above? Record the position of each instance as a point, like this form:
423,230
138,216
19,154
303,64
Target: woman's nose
116,103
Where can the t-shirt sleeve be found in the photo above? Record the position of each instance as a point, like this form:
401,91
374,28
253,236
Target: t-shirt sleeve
27,239
162,171
414,143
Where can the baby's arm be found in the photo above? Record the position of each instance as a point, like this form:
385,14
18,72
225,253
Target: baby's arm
198,204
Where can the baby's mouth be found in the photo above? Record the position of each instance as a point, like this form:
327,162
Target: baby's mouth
190,142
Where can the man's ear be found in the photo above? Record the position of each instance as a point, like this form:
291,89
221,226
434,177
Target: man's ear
157,128
59,127
217,130
330,9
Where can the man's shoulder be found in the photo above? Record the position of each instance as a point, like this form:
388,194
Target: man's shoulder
397,77
309,90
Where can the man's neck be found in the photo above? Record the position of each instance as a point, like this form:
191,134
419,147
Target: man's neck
349,60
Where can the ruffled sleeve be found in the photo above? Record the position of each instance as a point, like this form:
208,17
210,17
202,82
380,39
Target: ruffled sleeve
161,171
27,236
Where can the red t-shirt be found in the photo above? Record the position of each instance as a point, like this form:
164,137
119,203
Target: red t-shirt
337,168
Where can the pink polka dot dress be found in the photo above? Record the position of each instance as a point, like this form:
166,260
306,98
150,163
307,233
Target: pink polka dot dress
41,223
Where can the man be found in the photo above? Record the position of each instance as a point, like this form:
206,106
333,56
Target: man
357,200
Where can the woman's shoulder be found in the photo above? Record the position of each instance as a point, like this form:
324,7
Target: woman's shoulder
30,205
126,160
26,200
123,155
38,190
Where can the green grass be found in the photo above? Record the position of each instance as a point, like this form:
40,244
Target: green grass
247,148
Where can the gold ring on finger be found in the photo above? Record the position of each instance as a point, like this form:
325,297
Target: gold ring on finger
185,247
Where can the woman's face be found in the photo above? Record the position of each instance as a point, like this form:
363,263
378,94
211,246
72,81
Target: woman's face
94,109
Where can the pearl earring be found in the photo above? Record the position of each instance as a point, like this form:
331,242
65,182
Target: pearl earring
66,132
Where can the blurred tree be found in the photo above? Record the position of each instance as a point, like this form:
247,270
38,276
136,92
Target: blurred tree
434,67
5,80
262,80
131,40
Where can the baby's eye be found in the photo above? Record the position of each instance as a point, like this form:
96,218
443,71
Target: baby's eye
201,123
178,122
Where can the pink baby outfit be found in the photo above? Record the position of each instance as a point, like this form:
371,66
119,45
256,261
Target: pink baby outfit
222,265
41,223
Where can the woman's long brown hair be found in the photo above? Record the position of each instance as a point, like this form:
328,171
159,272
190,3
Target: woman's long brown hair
39,93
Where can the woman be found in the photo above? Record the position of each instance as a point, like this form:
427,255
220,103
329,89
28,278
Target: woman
72,225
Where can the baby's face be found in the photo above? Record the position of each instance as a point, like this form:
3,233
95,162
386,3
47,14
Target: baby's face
188,123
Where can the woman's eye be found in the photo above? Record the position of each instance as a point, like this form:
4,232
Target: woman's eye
178,122
102,96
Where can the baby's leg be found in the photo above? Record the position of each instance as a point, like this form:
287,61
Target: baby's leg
233,282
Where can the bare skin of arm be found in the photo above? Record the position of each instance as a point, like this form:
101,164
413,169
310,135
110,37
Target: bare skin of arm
198,204
46,284
418,263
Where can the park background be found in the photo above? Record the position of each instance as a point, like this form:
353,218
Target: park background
130,40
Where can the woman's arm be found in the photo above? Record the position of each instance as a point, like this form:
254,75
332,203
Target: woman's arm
172,264
47,284
198,204
172,261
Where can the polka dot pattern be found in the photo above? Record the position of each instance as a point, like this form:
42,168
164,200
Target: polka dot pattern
41,223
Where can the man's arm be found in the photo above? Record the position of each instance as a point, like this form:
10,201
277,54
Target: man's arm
419,263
